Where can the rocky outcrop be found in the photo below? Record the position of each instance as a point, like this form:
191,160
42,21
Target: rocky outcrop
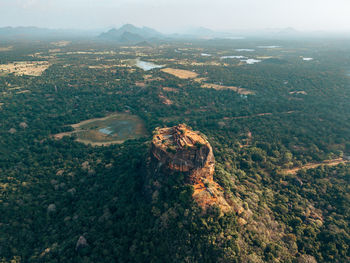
180,149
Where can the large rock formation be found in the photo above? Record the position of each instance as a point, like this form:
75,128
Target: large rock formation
179,149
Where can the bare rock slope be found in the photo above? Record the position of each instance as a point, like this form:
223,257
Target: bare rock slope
179,149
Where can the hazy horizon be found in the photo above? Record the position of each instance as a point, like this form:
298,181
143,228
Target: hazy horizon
168,16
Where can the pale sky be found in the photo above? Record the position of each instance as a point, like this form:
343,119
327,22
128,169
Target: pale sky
172,15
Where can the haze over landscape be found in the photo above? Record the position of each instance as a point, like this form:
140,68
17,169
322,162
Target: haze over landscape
176,16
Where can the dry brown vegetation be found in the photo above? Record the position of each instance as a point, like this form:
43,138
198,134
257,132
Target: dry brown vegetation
164,99
62,134
180,73
6,48
14,88
221,87
298,92
140,84
55,50
150,77
61,43
80,124
22,91
170,89
187,62
31,68
200,79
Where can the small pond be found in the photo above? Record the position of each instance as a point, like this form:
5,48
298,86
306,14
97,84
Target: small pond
146,65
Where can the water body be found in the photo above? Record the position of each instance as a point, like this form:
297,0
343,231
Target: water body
147,65
234,38
307,59
120,128
269,46
106,130
251,61
244,50
239,57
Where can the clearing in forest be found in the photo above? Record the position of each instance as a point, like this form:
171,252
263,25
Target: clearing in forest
221,87
61,43
170,89
164,99
31,68
307,166
112,129
298,92
180,73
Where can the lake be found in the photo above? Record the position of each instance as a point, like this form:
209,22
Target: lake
120,128
146,65
106,130
269,46
251,61
244,50
239,57
112,129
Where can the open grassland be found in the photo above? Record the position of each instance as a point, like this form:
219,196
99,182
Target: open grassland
8,48
180,73
30,68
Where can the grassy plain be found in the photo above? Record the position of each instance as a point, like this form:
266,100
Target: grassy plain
180,73
31,68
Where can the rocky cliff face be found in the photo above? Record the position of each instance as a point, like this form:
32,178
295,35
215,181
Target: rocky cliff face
179,149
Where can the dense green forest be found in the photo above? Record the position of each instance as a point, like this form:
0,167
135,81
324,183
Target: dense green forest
55,192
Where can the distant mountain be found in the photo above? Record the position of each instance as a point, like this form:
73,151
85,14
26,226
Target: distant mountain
128,37
130,34
144,44
201,31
